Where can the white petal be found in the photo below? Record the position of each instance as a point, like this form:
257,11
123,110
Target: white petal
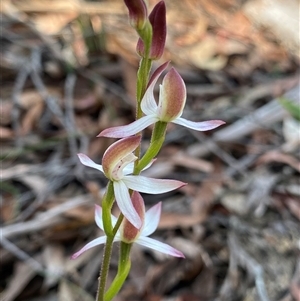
159,246
125,205
129,129
199,126
151,220
85,160
98,241
98,217
148,104
150,185
128,169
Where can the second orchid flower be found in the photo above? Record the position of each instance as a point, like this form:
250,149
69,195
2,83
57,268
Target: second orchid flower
117,166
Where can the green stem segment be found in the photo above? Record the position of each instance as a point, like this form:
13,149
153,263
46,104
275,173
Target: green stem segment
142,81
107,203
157,140
123,271
104,268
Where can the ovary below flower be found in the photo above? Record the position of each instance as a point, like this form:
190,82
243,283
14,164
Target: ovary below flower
117,165
129,234
172,98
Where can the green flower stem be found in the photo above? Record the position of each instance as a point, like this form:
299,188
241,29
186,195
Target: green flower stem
142,81
108,246
118,224
123,271
104,268
145,65
107,203
142,78
157,140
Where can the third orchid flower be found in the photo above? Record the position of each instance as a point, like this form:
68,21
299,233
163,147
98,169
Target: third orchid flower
129,234
172,98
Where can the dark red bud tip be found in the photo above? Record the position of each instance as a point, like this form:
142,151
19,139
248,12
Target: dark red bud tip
157,19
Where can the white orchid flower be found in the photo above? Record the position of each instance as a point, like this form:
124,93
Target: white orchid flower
117,166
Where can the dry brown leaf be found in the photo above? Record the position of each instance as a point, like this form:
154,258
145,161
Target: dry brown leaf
31,117
6,110
7,207
6,133
116,45
176,220
52,24
202,201
203,55
57,6
281,17
84,214
182,159
206,194
162,277
277,156
29,98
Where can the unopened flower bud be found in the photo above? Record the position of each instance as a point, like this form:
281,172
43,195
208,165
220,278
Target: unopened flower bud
157,20
137,13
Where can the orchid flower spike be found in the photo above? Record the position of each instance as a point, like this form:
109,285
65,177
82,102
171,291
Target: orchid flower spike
129,234
172,98
117,166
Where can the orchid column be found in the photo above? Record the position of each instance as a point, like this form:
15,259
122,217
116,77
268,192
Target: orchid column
122,162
